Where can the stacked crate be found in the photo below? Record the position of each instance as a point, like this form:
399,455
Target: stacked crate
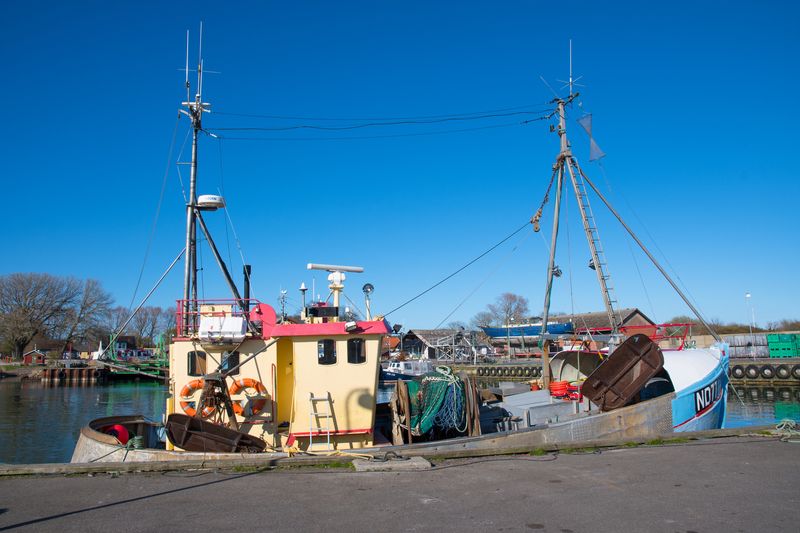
747,346
784,344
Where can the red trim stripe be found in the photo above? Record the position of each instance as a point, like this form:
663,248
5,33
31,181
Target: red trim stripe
699,414
336,432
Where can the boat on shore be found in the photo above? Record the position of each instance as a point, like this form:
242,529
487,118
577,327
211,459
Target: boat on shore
527,330
240,378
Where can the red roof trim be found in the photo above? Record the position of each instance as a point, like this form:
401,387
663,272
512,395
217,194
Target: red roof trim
329,328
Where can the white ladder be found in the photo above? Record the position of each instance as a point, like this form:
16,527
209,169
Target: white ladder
315,416
598,263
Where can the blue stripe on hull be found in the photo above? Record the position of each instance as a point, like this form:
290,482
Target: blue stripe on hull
526,331
702,405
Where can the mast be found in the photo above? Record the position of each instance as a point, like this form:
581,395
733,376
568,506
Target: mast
194,110
564,166
558,168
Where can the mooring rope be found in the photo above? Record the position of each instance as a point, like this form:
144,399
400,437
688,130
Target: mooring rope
788,432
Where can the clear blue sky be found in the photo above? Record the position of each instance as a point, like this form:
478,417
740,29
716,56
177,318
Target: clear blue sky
692,101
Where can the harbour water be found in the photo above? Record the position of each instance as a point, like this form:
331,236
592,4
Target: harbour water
40,424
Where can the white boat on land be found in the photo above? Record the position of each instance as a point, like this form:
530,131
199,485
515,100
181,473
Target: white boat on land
240,380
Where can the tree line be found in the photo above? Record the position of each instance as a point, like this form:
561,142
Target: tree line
69,311
509,308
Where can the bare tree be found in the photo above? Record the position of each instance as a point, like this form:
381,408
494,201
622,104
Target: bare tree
483,318
508,307
145,324
33,303
83,318
166,323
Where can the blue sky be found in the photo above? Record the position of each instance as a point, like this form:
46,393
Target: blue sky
692,101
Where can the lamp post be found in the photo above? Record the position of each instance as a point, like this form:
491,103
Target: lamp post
751,321
508,336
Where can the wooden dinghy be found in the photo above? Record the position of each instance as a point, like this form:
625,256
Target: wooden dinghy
617,381
198,435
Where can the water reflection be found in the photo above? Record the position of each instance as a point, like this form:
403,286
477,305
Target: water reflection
762,405
40,424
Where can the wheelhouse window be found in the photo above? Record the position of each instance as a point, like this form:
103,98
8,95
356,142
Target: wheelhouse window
356,351
326,352
196,363
230,360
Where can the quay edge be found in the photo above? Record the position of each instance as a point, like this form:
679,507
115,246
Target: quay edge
262,461
760,371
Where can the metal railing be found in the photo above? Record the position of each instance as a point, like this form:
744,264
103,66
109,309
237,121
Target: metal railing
188,312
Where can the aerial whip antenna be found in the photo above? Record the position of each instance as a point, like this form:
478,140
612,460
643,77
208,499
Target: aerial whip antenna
200,63
188,95
572,82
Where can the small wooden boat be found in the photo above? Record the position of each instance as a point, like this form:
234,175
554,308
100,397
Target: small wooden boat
198,435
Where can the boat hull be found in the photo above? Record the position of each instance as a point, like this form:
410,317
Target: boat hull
394,376
526,331
643,420
94,446
702,405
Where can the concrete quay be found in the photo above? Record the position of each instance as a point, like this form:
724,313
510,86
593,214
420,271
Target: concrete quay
737,483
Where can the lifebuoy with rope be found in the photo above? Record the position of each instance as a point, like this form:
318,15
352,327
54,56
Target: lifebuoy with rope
256,403
188,403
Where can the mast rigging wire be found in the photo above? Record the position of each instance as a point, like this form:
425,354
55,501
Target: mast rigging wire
652,240
388,136
459,270
158,212
222,193
483,282
545,106
178,166
374,124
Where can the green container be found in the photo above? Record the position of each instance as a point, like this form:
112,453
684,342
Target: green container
783,351
783,346
782,337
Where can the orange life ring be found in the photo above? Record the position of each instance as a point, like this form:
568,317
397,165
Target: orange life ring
188,404
256,404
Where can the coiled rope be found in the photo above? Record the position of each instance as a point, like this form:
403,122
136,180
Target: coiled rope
440,403
788,432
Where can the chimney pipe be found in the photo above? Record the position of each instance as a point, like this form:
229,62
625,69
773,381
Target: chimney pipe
246,269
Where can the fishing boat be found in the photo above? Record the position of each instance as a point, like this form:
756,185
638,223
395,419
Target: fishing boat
407,369
242,381
239,376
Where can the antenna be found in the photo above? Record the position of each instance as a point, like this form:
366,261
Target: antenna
188,94
194,109
200,63
571,82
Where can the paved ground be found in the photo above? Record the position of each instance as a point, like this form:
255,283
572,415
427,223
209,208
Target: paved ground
731,484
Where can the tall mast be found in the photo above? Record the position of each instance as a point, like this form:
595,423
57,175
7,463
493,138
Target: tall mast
194,110
558,169
567,166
